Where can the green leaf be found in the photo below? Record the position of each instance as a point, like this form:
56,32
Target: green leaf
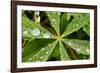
80,46
81,34
63,22
45,22
44,53
54,18
63,53
86,28
34,30
55,36
32,47
78,21
56,52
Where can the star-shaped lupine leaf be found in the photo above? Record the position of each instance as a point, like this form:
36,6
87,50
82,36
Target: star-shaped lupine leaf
48,39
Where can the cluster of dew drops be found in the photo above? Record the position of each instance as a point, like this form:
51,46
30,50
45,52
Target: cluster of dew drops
36,32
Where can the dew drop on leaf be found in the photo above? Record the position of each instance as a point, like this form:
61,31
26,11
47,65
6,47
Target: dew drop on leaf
35,32
87,50
37,12
46,52
37,19
78,50
43,49
46,35
58,13
25,32
53,20
70,43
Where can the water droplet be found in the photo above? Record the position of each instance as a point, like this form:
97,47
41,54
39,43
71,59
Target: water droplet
36,12
70,43
35,32
87,50
47,52
53,20
25,32
46,35
78,50
37,19
43,49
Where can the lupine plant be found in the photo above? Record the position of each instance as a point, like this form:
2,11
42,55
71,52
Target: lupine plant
55,36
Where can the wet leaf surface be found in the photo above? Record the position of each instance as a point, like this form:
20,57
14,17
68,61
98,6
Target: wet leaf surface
54,36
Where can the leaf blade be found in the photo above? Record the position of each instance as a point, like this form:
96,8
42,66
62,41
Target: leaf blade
80,46
63,53
44,53
33,47
78,22
54,18
63,22
33,30
86,28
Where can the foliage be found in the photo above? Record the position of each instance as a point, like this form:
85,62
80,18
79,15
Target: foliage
55,36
